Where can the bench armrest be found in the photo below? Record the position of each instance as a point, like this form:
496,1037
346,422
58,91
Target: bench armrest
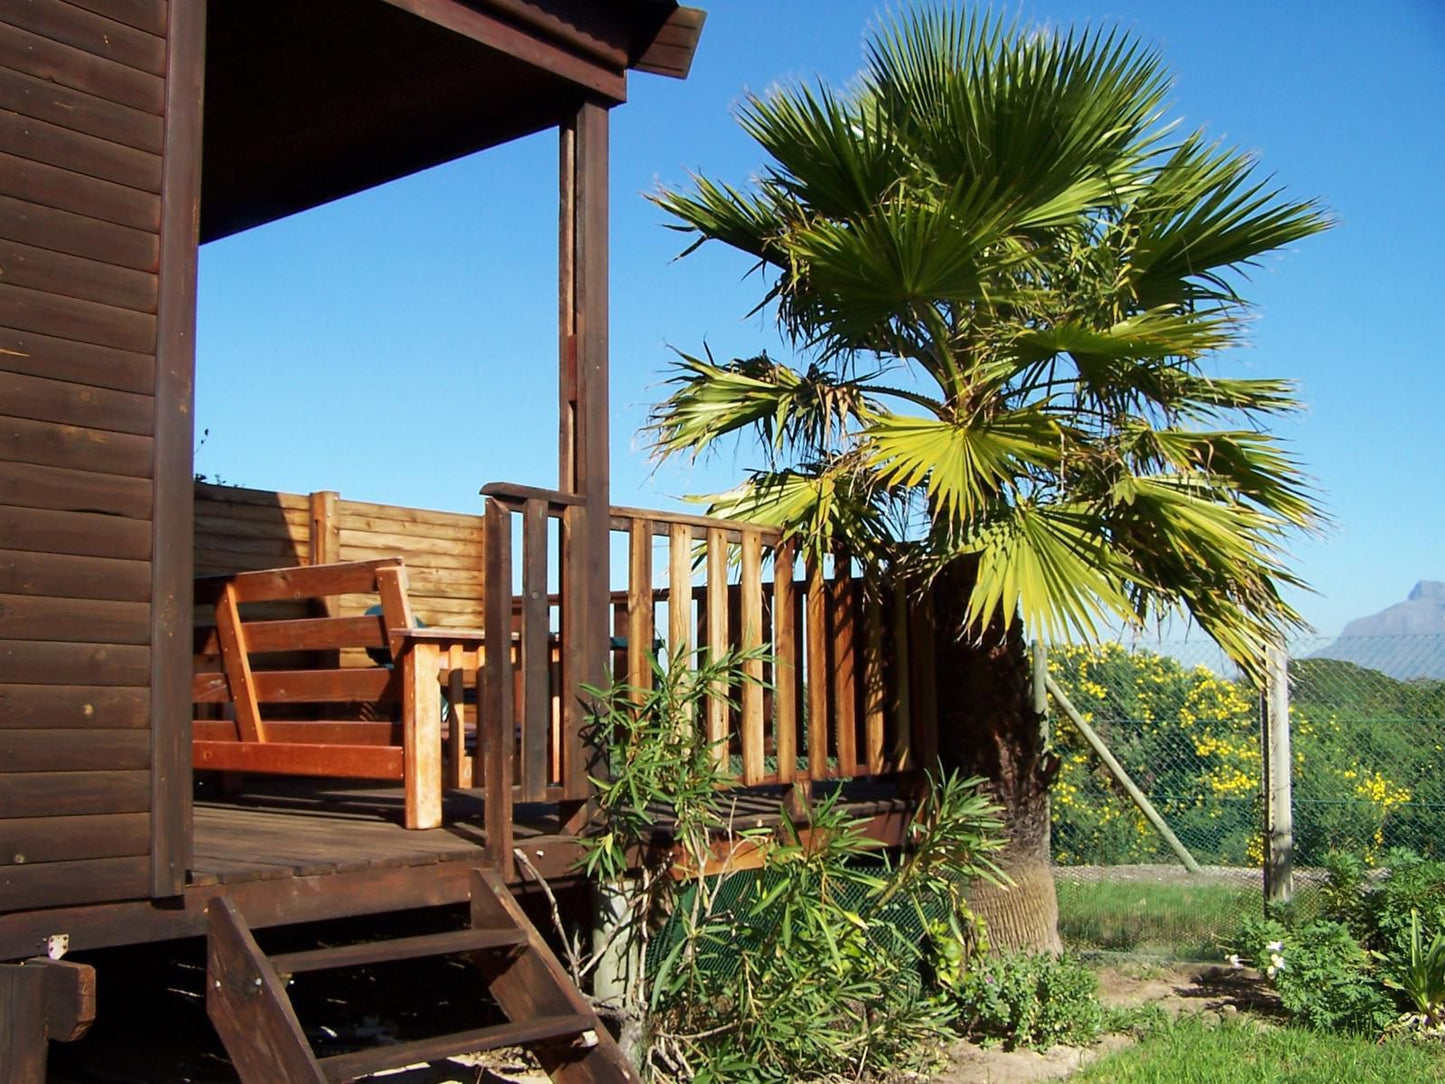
443,636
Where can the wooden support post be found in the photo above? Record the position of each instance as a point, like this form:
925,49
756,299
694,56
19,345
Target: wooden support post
325,537
583,440
41,1000
459,765
844,648
422,735
679,599
1278,797
173,434
495,714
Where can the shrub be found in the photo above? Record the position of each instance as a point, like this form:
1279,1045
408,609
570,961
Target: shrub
1029,999
1324,977
1412,886
799,972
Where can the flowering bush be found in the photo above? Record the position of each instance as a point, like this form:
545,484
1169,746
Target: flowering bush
1324,977
1375,962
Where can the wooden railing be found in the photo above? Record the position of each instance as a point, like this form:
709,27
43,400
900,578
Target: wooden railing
846,665
842,667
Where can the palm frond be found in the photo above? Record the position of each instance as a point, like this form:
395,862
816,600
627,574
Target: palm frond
964,466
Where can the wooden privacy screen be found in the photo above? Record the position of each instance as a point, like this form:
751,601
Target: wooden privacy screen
848,678
243,530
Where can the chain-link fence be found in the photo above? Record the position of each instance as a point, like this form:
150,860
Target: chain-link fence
1367,728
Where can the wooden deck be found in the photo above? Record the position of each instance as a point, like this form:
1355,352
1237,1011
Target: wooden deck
289,851
293,828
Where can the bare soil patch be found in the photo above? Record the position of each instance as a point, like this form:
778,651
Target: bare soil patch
1211,991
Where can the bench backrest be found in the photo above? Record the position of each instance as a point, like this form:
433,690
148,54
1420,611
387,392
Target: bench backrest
262,651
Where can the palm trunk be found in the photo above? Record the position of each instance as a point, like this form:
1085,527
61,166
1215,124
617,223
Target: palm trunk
988,727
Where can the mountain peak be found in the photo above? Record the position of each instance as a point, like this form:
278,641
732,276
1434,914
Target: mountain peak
1406,640
1433,590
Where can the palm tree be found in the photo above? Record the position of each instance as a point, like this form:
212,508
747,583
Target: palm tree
1005,280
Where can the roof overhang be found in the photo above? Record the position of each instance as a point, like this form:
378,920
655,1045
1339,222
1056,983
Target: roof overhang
308,102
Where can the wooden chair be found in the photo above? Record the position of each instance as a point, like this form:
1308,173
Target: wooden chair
299,710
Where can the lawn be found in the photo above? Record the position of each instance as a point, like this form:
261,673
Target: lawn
1191,1052
1169,921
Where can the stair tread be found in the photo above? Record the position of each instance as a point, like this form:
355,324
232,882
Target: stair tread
342,1067
400,948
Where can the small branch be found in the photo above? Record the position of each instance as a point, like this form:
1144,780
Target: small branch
573,964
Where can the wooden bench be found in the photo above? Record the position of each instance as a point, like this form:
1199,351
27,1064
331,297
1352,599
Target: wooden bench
301,705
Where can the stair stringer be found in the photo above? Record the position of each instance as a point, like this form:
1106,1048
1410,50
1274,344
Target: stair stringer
536,984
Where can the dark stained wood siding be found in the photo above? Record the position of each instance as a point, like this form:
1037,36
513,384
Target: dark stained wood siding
82,134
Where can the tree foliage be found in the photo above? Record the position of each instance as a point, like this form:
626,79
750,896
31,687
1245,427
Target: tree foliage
1004,276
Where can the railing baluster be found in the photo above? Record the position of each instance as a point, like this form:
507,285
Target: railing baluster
845,642
902,703
496,711
639,605
925,689
751,586
817,648
874,690
717,640
785,664
575,784
679,596
536,653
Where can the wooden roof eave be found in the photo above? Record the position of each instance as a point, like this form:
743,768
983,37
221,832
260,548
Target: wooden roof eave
307,104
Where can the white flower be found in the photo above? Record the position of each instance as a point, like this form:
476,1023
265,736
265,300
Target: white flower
1269,971
1274,946
1276,964
1234,961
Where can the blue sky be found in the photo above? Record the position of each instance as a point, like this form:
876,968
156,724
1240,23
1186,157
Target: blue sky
400,345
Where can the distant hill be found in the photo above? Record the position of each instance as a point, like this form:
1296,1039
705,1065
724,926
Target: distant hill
1406,640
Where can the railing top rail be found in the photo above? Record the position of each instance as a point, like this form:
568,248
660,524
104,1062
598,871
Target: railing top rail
622,516
661,521
511,494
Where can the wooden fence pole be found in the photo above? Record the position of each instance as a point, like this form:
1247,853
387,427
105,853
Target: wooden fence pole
1278,799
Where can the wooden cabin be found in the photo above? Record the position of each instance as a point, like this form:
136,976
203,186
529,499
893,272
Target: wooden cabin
131,132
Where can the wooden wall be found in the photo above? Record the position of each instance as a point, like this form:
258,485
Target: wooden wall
82,129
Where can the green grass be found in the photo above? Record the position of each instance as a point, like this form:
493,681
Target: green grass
1173,921
1190,1052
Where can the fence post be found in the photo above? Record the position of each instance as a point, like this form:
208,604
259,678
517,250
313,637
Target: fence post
1278,801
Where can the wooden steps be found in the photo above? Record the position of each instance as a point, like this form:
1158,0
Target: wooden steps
342,1067
403,948
247,1002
